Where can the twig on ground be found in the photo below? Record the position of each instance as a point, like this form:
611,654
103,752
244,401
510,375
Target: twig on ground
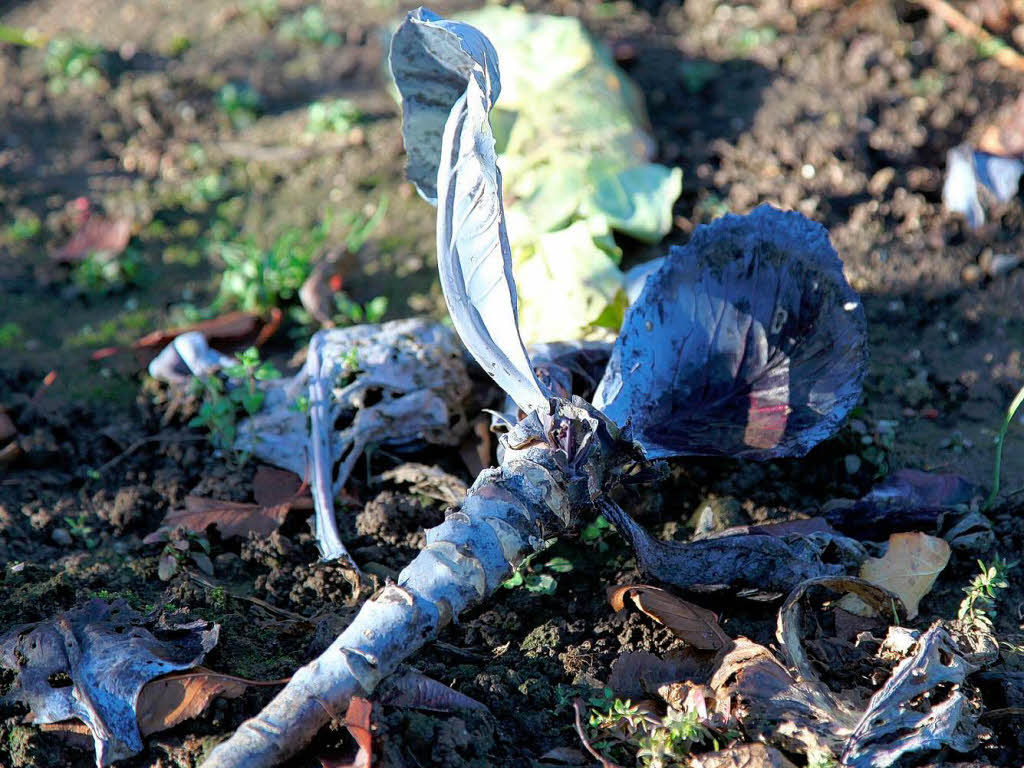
1001,51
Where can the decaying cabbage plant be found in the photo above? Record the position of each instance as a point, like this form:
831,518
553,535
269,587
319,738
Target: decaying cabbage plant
746,342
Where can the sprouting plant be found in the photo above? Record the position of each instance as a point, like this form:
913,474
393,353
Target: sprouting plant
256,279
240,102
351,312
311,26
337,116
69,59
11,335
24,227
538,579
595,531
104,271
219,411
978,608
80,529
181,546
1000,439
654,740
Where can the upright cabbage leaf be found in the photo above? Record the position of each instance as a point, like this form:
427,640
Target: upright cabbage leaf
747,342
447,73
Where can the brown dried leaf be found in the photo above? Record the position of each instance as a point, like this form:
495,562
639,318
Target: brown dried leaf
772,705
232,518
417,691
272,487
165,702
743,756
636,674
98,235
697,626
909,568
357,720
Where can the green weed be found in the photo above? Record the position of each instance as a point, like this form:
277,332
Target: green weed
241,103
222,405
1000,439
337,116
978,607
69,60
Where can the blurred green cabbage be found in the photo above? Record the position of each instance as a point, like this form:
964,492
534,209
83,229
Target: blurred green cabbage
575,159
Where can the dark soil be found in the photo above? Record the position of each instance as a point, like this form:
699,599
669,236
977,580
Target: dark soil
841,111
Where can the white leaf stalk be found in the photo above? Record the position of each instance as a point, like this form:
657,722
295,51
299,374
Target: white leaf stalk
555,467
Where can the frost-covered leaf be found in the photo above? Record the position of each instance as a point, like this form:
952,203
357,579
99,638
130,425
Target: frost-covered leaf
747,342
441,65
91,663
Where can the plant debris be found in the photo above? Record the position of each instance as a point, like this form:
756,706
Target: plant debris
697,626
91,663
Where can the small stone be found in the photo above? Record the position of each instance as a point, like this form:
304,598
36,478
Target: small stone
971,274
61,537
853,464
715,515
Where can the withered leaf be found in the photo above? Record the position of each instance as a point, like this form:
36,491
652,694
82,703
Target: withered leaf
232,518
91,664
908,568
697,626
757,562
795,715
743,756
357,720
417,691
98,235
921,707
272,486
165,702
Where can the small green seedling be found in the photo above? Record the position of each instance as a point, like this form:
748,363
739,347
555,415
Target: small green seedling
337,116
106,272
70,60
538,579
219,411
81,530
978,608
654,741
256,279
241,103
181,546
11,335
24,227
310,26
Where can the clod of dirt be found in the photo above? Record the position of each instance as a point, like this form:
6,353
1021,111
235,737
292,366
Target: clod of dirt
91,663
397,519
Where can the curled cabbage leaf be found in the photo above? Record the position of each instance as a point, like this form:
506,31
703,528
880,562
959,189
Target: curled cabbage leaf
747,342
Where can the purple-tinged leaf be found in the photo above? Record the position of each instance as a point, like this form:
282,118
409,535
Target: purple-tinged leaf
417,691
447,73
747,342
907,500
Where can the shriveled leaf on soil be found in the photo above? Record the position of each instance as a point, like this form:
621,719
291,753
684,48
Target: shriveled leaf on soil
790,627
417,691
640,674
697,626
909,568
357,720
165,702
906,500
233,328
798,716
272,487
432,482
98,235
921,707
231,518
91,663
742,756
753,562
747,342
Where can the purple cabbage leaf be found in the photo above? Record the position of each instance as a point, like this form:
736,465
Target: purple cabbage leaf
747,342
